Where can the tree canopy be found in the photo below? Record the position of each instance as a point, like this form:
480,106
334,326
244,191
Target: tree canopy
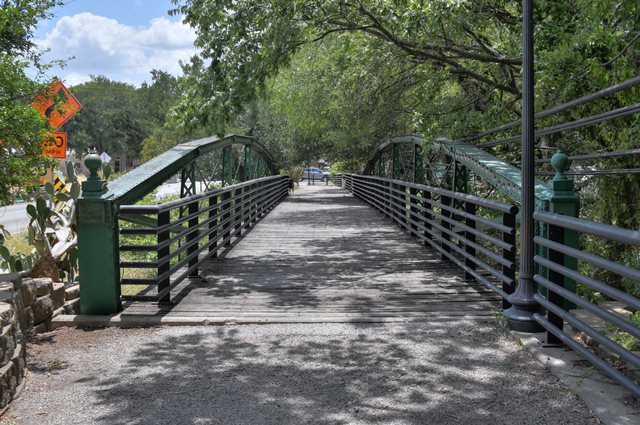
333,78
118,117
21,127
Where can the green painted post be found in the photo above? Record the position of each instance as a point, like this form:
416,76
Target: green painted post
260,168
227,166
381,166
418,165
188,181
248,168
565,201
396,161
98,245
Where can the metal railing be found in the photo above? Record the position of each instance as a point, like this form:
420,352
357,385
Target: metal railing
187,231
558,272
474,233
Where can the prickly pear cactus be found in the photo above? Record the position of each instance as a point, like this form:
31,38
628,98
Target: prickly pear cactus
52,231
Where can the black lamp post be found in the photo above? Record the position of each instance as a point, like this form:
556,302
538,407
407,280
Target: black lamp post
520,315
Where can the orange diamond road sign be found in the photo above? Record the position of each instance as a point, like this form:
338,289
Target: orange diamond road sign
56,104
57,149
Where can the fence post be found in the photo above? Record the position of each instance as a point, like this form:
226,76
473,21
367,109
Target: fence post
164,218
193,236
427,217
470,208
226,217
238,199
213,226
402,204
446,214
253,214
556,234
509,220
565,201
413,216
98,245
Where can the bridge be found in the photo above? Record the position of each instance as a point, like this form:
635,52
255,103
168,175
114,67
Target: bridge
427,231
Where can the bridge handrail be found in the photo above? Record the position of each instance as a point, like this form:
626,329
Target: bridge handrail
100,207
481,202
447,222
155,209
558,271
219,216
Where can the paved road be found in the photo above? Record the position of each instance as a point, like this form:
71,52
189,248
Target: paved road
455,372
14,217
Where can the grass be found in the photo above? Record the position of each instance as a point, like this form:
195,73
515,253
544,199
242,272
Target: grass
18,243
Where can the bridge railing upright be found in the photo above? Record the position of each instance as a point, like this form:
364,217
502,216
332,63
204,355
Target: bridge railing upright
476,234
181,243
165,232
610,325
601,313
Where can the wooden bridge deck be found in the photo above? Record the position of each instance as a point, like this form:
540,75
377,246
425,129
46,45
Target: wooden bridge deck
324,256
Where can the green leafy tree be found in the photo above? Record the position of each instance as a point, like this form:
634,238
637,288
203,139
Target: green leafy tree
21,127
111,119
246,42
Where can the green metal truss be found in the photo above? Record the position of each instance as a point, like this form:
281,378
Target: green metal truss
203,162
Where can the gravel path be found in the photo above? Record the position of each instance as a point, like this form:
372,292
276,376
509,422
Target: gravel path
418,373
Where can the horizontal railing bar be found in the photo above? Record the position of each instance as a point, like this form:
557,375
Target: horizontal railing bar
618,234
593,308
142,298
156,209
467,269
184,201
597,361
605,289
139,265
138,281
595,260
497,226
512,209
453,221
572,125
497,274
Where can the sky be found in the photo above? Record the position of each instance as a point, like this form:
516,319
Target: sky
122,40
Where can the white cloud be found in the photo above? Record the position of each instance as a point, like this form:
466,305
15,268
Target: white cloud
120,52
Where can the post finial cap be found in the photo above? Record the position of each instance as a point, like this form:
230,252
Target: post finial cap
93,162
560,162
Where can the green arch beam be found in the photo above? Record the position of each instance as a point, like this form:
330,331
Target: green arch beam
138,182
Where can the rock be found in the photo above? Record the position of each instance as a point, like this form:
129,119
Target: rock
7,344
6,314
72,307
26,319
58,295
8,383
42,309
44,286
28,292
72,292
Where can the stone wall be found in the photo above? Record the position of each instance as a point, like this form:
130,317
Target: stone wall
27,305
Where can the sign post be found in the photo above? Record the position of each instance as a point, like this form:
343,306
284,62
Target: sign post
57,105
